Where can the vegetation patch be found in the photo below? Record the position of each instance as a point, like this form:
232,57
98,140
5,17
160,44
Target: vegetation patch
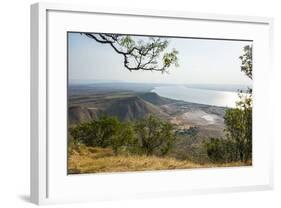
84,159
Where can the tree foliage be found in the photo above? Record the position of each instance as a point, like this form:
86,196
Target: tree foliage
98,132
147,136
125,139
239,129
247,61
148,55
221,150
154,134
238,121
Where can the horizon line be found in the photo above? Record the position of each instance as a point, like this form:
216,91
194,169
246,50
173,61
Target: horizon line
138,82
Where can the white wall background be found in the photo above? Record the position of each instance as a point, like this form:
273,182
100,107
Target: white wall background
14,103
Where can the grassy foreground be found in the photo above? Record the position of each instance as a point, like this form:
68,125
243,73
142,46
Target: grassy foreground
84,159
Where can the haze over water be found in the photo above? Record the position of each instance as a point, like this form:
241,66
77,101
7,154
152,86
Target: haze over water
201,96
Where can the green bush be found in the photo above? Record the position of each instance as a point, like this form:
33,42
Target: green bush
221,150
238,123
98,132
125,141
154,135
148,136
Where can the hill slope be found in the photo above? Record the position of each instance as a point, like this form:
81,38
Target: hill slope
130,107
155,99
77,114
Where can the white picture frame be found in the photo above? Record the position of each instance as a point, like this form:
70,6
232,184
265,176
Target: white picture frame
49,180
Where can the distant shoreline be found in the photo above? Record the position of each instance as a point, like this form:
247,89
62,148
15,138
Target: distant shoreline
216,87
197,95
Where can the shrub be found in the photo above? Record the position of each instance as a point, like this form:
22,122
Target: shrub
221,150
98,132
154,135
238,123
125,141
148,136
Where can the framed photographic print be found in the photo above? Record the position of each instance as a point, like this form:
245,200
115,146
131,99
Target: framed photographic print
133,103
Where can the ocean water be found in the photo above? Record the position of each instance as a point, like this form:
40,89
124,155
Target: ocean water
195,95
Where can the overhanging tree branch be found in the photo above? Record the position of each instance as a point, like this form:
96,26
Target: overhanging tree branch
139,55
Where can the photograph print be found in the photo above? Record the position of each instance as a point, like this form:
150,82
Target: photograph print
148,103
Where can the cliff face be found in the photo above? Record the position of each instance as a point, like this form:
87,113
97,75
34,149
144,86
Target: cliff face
77,114
132,108
124,108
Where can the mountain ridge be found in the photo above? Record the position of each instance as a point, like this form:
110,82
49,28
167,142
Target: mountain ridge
133,107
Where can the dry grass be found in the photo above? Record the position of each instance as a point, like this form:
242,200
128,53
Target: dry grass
93,160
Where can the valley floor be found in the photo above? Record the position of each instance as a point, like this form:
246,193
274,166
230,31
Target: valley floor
96,160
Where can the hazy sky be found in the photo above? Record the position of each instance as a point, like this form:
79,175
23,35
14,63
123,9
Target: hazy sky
201,61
